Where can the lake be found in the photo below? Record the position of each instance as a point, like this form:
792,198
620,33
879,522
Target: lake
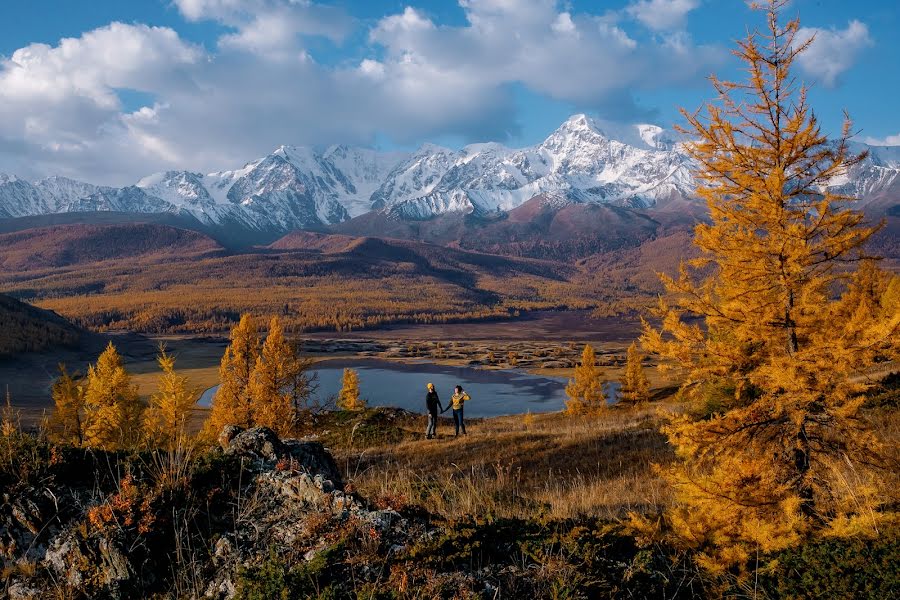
493,392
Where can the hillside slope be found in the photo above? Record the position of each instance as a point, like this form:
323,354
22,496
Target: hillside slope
26,328
66,245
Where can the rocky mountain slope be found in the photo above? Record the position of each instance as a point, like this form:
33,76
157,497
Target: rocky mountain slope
583,162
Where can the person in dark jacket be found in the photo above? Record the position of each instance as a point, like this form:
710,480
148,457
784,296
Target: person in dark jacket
433,404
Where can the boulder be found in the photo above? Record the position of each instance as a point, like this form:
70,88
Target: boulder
259,444
314,459
228,433
262,446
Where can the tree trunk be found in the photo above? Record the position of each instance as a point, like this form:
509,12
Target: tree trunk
801,463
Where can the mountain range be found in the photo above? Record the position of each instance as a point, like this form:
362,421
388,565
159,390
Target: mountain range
585,163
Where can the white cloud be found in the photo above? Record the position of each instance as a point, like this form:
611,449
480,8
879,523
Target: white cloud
272,28
891,140
260,85
62,103
662,15
833,51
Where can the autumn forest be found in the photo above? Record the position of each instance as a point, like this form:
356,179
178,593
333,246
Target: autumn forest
733,434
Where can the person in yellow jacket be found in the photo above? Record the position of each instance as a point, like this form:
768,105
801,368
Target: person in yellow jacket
457,403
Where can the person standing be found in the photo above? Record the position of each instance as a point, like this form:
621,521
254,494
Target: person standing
433,404
457,403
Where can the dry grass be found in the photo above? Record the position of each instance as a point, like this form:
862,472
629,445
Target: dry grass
546,465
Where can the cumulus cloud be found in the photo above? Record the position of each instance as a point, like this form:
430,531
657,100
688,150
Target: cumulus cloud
272,28
63,102
891,140
662,15
260,86
833,51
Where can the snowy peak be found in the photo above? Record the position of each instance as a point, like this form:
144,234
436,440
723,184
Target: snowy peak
19,198
585,160
179,188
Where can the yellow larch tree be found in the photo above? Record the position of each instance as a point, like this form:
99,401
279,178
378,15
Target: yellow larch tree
232,403
112,408
775,447
348,398
279,385
66,425
585,389
635,387
166,418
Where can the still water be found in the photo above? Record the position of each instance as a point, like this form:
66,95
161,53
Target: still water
493,392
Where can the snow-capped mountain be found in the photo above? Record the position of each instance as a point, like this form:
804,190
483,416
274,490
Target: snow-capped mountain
578,161
19,198
583,161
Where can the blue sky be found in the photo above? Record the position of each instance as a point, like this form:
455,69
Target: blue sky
147,85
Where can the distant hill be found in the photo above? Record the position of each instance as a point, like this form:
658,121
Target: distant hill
25,328
66,245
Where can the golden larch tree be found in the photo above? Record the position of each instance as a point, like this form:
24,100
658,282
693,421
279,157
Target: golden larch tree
635,387
66,425
166,418
232,403
280,385
112,408
348,398
775,447
585,389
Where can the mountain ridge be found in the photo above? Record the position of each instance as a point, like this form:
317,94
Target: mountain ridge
584,161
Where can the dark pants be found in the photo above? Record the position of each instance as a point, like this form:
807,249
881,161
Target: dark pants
458,420
431,430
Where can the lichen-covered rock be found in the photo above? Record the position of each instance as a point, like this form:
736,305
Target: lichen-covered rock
259,444
228,433
315,460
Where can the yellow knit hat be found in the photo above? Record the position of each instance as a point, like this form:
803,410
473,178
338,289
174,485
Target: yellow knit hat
431,386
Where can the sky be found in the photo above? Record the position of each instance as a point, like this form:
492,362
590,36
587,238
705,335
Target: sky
109,91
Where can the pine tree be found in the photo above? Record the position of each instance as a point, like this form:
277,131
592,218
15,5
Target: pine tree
279,386
348,398
635,387
112,408
233,403
776,447
166,418
67,421
585,390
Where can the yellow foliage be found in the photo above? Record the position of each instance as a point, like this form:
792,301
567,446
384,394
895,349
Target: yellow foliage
66,424
348,398
232,403
279,384
790,330
113,411
9,423
635,387
585,390
261,384
170,407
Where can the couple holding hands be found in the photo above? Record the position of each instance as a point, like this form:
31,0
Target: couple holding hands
433,404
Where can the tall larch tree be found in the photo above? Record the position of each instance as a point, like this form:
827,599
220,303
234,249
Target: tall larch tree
66,424
279,384
233,403
348,398
775,447
112,407
585,389
635,387
170,408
